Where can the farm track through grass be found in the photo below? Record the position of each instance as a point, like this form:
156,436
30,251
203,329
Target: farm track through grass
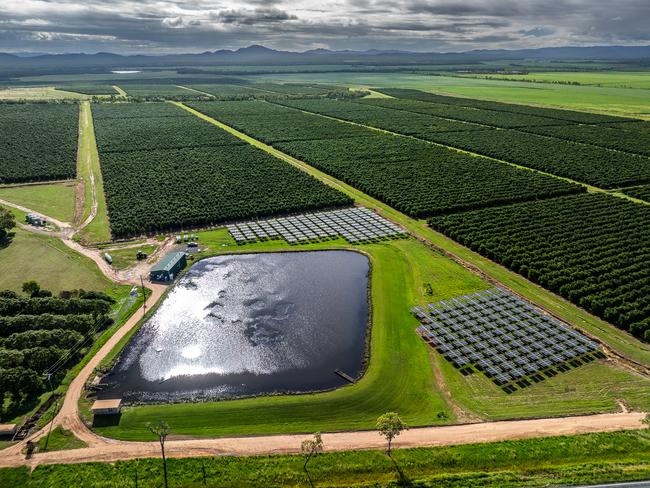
619,341
98,230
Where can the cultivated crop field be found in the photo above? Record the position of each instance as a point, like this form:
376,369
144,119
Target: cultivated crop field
163,171
552,145
591,249
415,177
39,141
44,334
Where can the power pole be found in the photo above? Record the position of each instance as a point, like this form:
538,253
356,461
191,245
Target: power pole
144,297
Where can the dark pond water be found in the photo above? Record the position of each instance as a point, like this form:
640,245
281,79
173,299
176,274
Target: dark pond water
250,324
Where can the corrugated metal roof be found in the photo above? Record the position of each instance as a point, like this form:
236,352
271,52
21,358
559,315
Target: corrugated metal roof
168,262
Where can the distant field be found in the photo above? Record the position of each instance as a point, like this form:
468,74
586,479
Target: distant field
55,200
622,79
38,93
616,101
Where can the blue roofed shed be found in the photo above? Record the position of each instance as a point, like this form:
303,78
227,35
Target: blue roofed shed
168,267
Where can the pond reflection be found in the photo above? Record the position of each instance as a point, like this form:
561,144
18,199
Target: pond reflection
250,324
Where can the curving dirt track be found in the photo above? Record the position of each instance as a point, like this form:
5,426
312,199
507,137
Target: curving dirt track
108,450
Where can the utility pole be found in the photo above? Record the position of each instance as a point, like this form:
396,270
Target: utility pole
144,297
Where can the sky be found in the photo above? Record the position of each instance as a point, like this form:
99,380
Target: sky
173,26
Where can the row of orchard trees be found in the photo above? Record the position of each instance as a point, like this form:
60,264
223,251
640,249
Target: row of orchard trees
592,249
42,335
412,176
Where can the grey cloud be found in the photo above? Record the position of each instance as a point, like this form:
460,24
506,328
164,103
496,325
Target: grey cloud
197,25
252,17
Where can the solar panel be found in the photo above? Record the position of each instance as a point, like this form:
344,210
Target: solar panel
503,336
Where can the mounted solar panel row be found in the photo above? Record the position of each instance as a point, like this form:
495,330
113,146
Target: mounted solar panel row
507,339
356,225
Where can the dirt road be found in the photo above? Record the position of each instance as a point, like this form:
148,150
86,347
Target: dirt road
108,450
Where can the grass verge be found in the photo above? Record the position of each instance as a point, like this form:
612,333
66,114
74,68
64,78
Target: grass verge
589,458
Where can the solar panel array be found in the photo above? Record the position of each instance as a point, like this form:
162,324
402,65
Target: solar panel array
356,225
506,338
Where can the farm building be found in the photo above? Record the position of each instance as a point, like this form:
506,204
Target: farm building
168,267
106,407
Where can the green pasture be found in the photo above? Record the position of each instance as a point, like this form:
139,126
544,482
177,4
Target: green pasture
123,258
630,102
554,461
59,439
615,79
30,256
55,200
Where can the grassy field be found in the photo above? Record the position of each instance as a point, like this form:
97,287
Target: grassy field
46,259
618,340
588,459
123,258
629,102
58,440
55,200
620,79
39,93
89,168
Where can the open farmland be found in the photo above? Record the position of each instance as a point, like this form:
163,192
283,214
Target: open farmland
591,249
186,172
551,113
413,176
39,142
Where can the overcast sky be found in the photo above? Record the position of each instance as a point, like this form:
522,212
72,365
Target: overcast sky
136,26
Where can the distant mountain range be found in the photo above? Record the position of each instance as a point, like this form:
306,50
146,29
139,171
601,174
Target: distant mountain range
25,63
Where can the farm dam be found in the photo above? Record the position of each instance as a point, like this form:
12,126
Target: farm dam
250,324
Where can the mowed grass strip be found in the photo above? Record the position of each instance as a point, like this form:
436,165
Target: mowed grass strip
569,460
98,230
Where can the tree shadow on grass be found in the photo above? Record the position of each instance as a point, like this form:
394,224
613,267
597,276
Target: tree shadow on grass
402,479
6,239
